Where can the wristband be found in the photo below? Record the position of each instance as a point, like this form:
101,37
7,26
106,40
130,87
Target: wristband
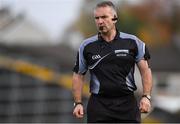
77,103
147,96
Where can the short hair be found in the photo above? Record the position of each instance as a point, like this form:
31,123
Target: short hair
105,4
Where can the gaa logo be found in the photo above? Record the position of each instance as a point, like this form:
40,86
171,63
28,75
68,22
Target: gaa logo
94,57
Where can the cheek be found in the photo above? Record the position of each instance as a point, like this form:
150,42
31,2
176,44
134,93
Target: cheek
110,24
96,23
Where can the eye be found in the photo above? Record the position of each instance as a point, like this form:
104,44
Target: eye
104,17
96,18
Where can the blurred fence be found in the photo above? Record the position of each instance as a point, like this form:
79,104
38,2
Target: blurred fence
30,96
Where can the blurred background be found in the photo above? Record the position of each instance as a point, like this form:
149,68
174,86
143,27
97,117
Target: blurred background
39,40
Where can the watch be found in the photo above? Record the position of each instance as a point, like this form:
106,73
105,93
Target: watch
77,103
147,96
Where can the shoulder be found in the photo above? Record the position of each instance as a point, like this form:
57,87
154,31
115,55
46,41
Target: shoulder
130,37
127,36
89,40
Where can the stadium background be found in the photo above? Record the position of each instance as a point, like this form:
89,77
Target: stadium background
35,69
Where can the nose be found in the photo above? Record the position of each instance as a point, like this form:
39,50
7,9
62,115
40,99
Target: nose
100,20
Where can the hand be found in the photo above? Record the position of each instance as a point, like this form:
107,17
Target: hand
145,105
78,111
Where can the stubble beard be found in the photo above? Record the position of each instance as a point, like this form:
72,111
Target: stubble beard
102,30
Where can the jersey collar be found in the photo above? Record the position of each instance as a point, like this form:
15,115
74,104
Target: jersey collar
115,38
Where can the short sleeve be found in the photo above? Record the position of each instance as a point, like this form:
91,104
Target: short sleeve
142,51
80,66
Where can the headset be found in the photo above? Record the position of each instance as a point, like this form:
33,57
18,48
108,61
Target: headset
115,18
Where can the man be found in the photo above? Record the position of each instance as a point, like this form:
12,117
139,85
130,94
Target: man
110,57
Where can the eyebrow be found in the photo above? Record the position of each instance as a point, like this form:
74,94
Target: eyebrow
103,17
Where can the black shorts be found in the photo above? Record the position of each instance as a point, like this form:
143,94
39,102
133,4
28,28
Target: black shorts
113,109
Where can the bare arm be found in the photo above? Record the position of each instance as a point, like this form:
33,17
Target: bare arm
77,85
146,75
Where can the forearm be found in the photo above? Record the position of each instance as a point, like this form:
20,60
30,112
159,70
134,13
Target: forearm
146,77
147,81
77,85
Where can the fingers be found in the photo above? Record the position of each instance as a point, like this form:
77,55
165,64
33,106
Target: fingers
78,111
145,105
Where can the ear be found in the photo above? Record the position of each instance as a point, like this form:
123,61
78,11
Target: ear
115,19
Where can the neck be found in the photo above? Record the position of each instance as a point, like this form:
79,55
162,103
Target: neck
109,36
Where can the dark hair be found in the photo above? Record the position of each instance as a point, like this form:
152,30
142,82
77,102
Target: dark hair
105,4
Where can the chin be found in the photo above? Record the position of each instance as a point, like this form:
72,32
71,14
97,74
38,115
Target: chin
103,31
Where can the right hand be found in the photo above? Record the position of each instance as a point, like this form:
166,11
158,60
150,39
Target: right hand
78,111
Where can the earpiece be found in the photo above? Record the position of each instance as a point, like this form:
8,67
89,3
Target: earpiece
115,18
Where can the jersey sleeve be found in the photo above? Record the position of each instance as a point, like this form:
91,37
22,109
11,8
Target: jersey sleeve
142,51
80,66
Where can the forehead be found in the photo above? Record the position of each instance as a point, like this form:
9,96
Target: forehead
103,11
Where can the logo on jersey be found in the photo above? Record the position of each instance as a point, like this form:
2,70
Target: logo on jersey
94,57
121,52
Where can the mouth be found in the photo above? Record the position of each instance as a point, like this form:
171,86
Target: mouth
101,28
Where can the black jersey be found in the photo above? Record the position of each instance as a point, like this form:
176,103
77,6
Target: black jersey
111,64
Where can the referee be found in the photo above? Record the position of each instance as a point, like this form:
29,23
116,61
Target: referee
110,56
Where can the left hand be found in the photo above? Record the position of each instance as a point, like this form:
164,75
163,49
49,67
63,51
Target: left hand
78,111
145,105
